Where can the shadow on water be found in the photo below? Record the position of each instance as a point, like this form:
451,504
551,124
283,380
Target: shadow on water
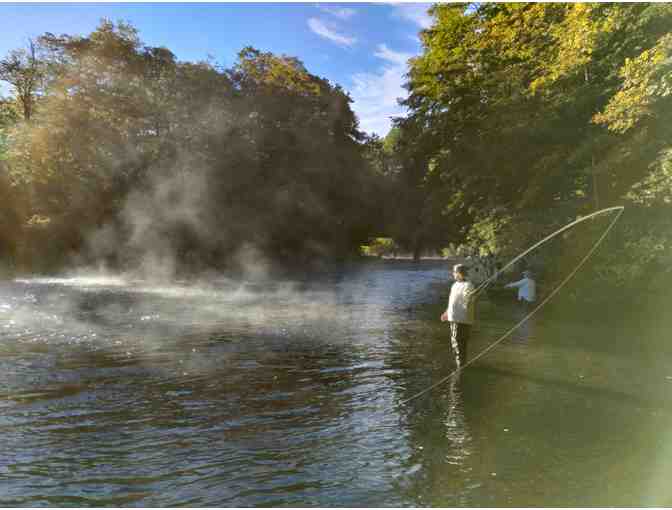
583,390
568,416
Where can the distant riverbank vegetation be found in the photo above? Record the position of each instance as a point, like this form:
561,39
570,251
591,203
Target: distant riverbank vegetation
521,117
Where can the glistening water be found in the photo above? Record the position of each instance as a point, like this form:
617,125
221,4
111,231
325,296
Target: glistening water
126,393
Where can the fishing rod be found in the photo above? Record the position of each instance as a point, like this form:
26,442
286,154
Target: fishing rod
483,285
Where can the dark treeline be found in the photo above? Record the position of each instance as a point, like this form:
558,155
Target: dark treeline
521,118
114,152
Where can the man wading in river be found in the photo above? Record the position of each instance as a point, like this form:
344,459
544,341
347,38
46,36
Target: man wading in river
527,295
527,289
460,313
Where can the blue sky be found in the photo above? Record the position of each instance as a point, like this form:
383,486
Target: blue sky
362,47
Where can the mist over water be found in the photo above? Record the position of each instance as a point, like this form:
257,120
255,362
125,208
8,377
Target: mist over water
127,392
148,376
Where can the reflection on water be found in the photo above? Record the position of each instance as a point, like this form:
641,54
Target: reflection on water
442,435
287,394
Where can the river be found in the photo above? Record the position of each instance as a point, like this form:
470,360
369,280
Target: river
219,393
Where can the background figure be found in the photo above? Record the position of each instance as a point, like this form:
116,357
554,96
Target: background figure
460,313
527,295
527,288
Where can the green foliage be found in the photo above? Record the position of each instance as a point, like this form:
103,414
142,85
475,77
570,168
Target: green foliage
380,247
10,197
508,108
646,88
24,71
187,159
9,117
655,190
521,117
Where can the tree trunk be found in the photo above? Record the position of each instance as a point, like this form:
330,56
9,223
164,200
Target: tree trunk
595,191
417,249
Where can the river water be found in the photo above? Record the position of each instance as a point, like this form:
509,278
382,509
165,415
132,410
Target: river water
127,393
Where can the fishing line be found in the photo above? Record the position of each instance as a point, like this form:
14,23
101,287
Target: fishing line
483,285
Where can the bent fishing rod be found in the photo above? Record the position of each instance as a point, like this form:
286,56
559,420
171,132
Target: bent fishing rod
483,285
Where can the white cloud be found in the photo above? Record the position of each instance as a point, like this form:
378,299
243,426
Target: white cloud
392,56
417,13
321,29
339,12
375,94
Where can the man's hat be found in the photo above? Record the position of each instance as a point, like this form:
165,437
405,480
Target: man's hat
461,268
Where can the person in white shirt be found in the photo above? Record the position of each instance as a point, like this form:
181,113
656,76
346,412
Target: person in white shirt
460,313
527,288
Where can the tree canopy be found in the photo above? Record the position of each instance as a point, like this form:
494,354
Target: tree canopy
522,116
531,114
130,153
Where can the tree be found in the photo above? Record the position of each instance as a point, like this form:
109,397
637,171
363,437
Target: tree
315,199
506,97
135,156
23,70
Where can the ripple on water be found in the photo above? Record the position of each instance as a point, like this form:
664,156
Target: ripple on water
133,395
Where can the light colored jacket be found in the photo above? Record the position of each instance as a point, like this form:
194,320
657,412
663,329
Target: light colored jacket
461,303
527,289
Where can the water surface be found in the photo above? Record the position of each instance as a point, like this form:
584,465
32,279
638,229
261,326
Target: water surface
222,393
